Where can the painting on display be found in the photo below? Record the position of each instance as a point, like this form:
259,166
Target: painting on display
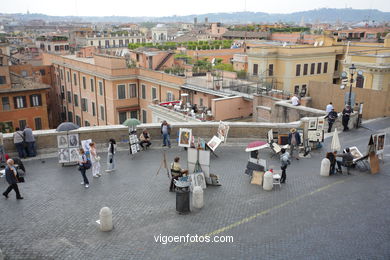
320,123
63,155
185,137
214,143
85,145
223,130
355,153
73,140
381,143
270,136
313,124
74,154
133,138
62,141
198,179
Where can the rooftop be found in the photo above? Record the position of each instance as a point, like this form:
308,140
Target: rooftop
309,217
85,60
19,84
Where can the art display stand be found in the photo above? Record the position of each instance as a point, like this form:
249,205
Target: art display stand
68,149
133,142
201,157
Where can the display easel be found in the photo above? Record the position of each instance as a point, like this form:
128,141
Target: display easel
133,142
164,165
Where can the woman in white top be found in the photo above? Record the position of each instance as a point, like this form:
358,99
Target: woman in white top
111,155
95,161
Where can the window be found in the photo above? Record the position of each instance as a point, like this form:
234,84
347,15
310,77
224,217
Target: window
305,68
134,114
312,68
100,88
255,69
122,117
43,72
70,116
132,90
20,102
38,123
359,81
201,102
36,100
93,109
298,70
296,89
270,70
91,43
24,73
6,104
22,124
102,113
121,91
78,121
3,80
84,104
56,48
1,61
92,86
62,91
336,65
69,96
76,100
169,96
75,79
62,74
48,47
303,90
144,116
86,123
325,67
154,93
68,76
84,83
319,68
143,90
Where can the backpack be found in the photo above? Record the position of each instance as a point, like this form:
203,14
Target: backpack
87,165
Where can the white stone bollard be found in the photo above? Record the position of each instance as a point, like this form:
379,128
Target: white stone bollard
197,199
325,167
268,181
105,219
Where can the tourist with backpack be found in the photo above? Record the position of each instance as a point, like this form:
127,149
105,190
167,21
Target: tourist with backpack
284,162
84,165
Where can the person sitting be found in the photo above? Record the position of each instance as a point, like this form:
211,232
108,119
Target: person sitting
144,139
176,172
332,160
347,160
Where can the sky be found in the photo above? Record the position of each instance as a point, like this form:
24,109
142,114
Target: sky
177,7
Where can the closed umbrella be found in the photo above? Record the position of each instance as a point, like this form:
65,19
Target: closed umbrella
335,146
256,145
67,126
132,122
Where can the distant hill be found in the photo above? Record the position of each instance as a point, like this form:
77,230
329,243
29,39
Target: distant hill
326,15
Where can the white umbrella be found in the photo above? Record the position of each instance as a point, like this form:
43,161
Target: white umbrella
335,146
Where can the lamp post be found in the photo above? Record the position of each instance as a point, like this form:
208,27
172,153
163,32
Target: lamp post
352,71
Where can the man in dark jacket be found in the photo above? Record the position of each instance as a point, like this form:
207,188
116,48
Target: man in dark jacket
10,175
294,140
347,160
166,131
346,115
332,116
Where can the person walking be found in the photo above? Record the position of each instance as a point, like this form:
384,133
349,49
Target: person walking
95,160
144,139
19,142
83,166
294,140
12,179
329,107
347,111
111,155
331,116
284,162
30,141
166,131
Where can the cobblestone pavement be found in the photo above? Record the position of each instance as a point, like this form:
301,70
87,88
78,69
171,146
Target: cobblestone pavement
310,217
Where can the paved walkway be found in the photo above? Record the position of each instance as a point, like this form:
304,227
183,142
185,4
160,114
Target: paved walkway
310,217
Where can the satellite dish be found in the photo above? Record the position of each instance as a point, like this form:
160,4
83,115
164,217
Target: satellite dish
315,44
284,44
321,43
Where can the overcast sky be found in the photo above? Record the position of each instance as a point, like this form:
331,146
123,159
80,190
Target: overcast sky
177,7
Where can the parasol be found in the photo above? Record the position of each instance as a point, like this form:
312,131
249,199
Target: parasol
335,146
256,145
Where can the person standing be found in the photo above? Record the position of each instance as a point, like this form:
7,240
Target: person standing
95,160
294,140
19,142
12,179
144,139
284,162
2,153
332,158
166,131
295,100
347,111
30,141
83,165
332,116
329,107
111,155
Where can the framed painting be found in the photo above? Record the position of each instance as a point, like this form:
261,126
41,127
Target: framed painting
62,141
185,137
214,143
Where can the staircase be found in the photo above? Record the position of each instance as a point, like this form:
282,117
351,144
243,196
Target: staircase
164,60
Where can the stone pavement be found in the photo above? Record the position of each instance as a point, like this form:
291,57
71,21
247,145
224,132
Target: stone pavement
310,217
